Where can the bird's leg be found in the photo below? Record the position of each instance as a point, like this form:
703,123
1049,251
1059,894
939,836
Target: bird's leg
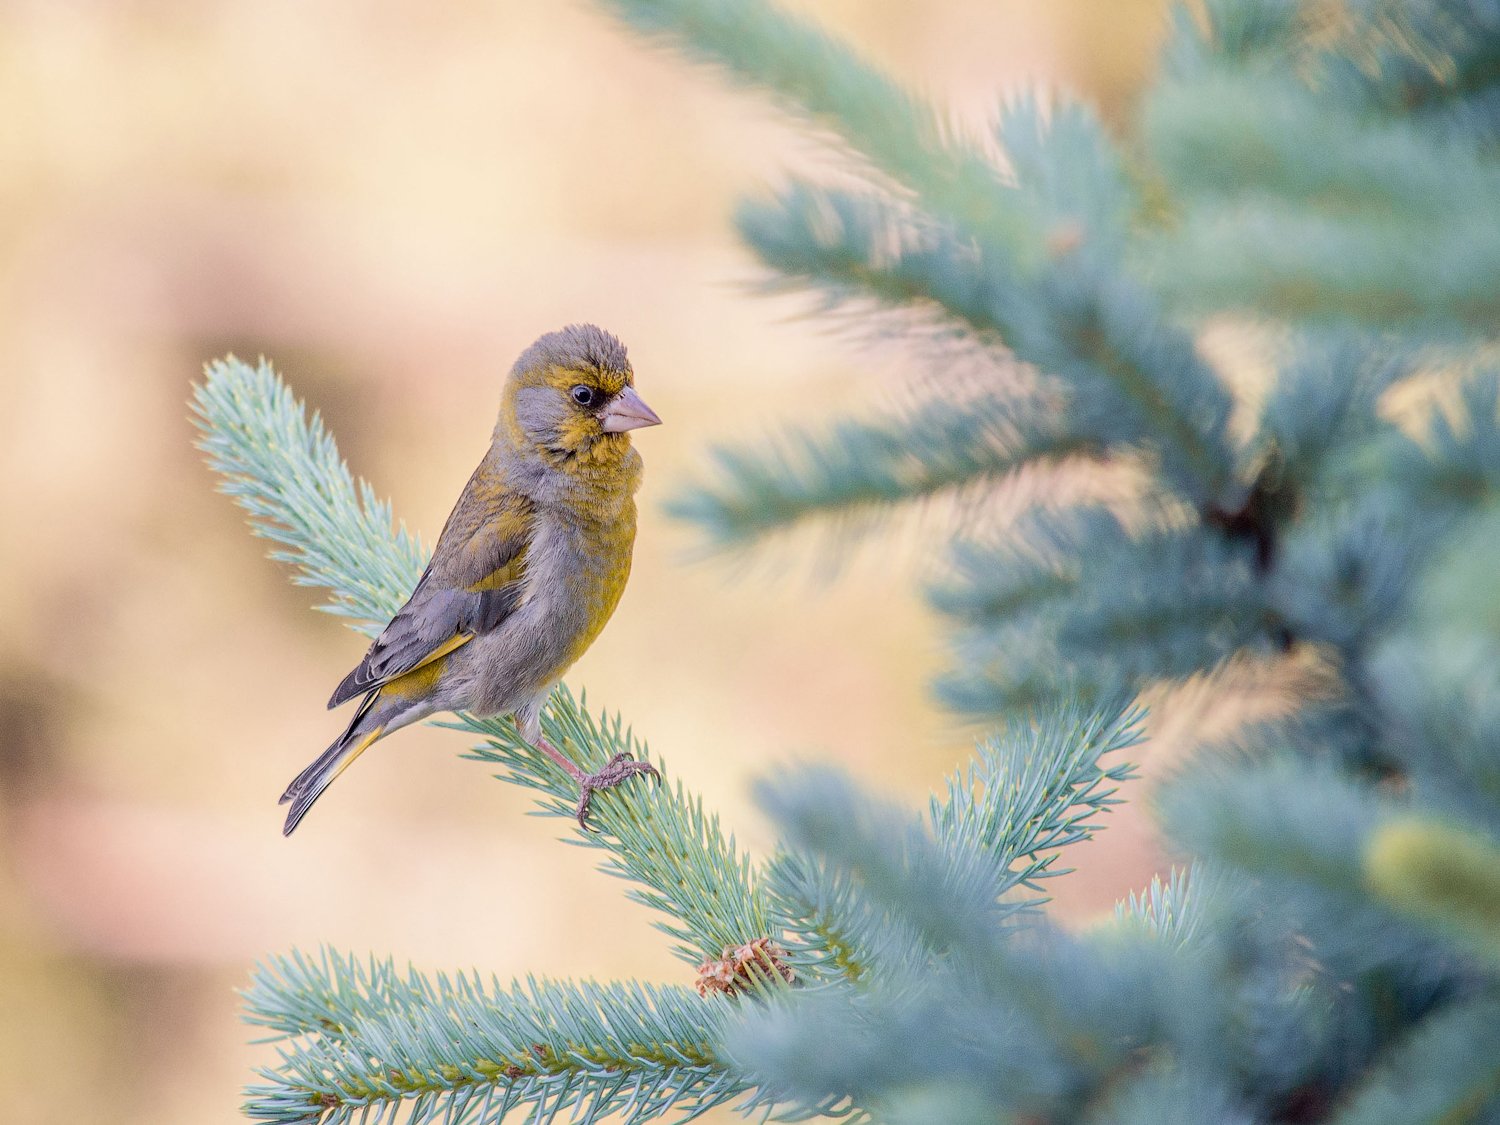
620,768
560,758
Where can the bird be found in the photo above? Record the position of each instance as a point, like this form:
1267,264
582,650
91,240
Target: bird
526,572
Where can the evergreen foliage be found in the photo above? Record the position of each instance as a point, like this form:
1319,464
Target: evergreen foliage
1328,172
363,1040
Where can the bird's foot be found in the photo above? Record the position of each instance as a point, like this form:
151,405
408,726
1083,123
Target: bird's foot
621,768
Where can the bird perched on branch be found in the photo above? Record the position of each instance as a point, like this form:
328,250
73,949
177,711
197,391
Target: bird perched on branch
526,572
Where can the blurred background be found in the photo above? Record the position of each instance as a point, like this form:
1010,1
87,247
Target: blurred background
390,200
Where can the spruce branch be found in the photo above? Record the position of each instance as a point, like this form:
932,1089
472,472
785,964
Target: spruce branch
862,245
1027,793
1286,262
1308,832
1171,908
1039,786
1232,134
860,467
283,468
1283,820
1347,574
1435,63
831,931
1446,1069
1322,413
1074,604
1450,713
1034,789
823,80
1328,199
1235,32
1011,1013
886,854
697,880
1131,378
418,1050
1456,462
1168,1092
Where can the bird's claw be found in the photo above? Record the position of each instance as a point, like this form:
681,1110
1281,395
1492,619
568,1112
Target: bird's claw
621,767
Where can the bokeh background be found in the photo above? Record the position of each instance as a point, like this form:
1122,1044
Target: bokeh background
390,199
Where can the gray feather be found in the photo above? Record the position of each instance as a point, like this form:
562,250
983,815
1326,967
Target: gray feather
577,345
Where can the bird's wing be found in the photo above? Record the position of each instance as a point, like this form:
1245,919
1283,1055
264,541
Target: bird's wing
472,584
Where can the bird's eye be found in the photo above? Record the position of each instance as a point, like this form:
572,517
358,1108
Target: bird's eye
583,396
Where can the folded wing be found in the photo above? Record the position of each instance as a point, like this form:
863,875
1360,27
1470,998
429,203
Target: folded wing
473,583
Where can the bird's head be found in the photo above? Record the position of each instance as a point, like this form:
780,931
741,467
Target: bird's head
571,397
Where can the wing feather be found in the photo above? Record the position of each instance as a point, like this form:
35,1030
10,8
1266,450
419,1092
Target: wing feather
471,586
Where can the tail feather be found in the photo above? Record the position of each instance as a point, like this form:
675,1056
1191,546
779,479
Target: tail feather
308,785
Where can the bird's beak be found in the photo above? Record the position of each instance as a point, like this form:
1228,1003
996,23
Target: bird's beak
628,412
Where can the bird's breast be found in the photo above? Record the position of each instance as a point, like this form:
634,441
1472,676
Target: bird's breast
592,566
576,569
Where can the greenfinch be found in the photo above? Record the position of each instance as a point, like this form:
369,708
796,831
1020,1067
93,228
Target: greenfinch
527,570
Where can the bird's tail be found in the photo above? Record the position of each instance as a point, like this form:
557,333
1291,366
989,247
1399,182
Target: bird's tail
308,785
